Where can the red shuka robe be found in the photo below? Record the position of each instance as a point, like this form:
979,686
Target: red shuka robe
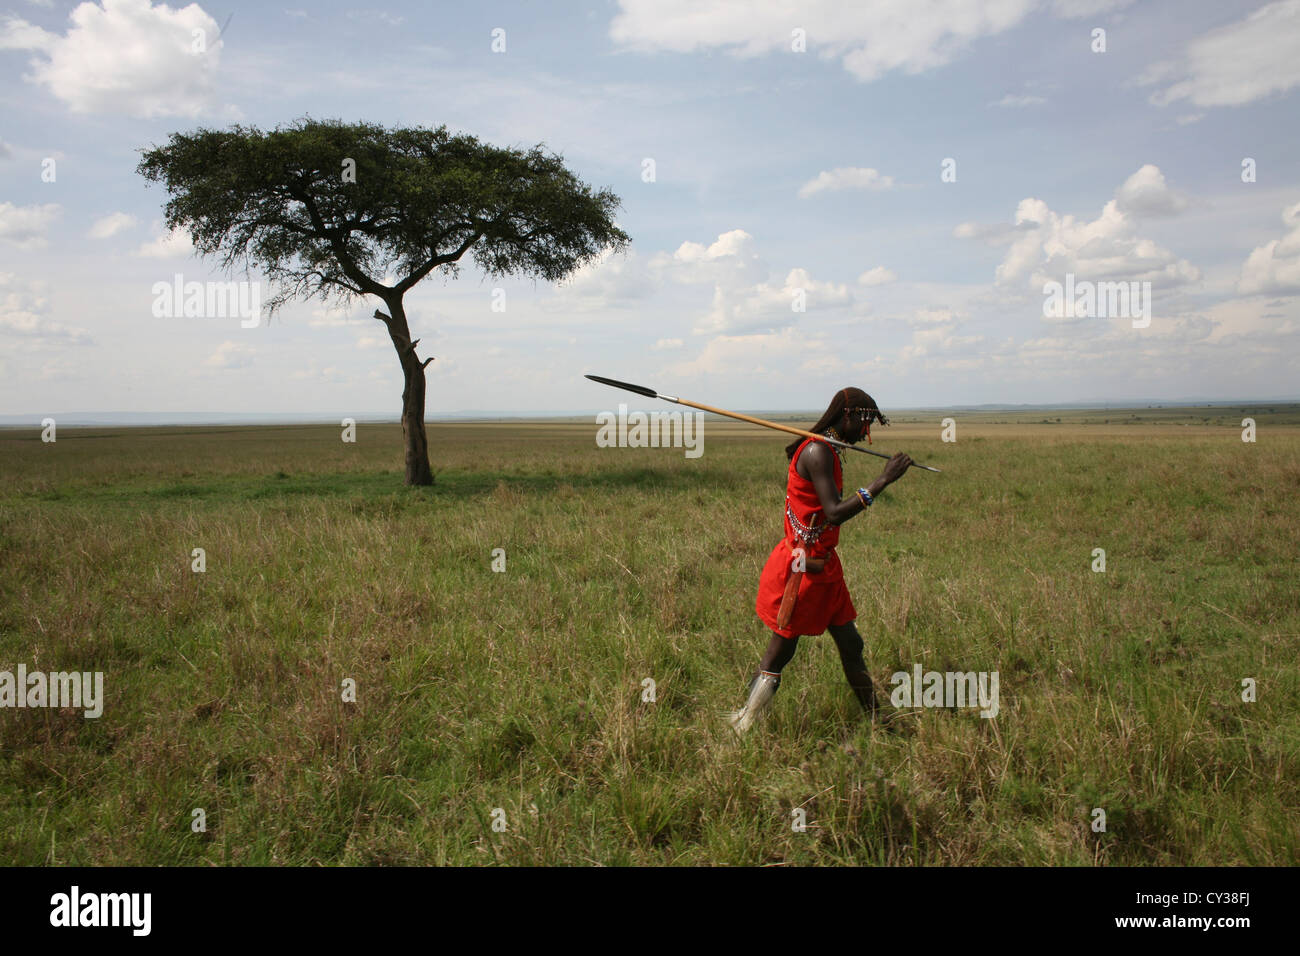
823,597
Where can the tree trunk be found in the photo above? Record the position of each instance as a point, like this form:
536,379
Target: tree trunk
418,471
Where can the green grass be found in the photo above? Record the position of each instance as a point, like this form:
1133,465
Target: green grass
522,690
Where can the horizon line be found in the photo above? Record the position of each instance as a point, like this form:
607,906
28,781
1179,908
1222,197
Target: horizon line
123,419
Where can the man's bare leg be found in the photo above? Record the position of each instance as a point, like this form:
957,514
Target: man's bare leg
779,652
849,643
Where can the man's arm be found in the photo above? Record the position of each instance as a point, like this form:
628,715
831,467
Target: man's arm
817,465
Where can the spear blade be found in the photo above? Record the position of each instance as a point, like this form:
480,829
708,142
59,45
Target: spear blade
639,389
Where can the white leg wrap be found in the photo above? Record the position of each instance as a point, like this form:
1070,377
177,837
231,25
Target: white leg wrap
760,696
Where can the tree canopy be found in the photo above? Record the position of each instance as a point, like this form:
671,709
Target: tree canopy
326,208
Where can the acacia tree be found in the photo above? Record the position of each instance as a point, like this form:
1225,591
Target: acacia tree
335,211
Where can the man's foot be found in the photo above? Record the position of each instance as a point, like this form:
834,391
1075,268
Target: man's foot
865,693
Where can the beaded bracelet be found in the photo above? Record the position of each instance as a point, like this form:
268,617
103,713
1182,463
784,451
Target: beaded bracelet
865,497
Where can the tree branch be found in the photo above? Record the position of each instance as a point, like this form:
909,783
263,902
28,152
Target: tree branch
436,261
346,262
333,280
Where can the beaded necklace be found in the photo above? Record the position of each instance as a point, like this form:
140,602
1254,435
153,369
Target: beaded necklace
832,433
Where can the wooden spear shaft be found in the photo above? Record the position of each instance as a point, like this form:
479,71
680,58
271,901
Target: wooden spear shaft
651,393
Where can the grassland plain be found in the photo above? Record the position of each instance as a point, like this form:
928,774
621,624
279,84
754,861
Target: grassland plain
522,690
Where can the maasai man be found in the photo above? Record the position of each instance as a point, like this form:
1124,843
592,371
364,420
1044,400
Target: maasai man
802,588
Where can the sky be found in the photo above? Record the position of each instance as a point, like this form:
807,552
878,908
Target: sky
819,194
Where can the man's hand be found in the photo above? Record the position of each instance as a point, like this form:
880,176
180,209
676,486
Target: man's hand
895,467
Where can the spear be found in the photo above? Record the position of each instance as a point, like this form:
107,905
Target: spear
651,393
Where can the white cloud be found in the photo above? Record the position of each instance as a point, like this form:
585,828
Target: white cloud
383,16
173,245
126,56
1047,245
1018,100
230,355
746,356
665,345
744,297
24,226
877,276
823,364
609,280
1258,318
870,40
1274,268
18,34
24,312
770,306
729,260
1235,64
927,317
846,177
111,225
941,341
1145,193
